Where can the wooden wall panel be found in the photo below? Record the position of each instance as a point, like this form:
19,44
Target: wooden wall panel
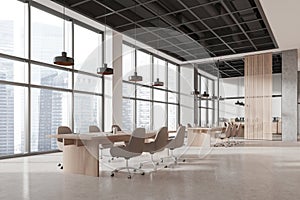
258,97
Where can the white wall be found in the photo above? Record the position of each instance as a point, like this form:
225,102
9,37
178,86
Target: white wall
234,87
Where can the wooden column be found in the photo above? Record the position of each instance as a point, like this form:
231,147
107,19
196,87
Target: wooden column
258,97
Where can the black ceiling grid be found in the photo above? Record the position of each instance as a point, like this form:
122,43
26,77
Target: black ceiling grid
203,28
197,29
235,68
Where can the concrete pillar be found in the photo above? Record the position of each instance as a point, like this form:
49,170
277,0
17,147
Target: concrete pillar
289,95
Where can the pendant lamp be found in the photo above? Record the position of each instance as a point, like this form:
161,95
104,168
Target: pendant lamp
104,70
63,59
157,83
135,77
205,94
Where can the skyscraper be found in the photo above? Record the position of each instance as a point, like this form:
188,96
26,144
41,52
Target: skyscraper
6,118
6,92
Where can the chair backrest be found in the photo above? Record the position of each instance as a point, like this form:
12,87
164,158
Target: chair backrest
162,138
115,126
233,130
179,138
136,141
94,129
63,130
228,130
240,130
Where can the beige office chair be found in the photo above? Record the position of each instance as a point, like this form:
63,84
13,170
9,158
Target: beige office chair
240,130
132,149
96,129
159,144
234,131
175,143
60,142
223,137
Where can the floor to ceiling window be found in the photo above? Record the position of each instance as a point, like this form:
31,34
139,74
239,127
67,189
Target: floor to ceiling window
37,96
13,75
143,104
206,104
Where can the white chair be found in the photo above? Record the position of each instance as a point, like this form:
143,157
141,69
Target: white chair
60,142
132,149
96,129
159,144
175,143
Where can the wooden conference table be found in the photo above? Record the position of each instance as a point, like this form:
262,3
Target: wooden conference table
81,151
201,136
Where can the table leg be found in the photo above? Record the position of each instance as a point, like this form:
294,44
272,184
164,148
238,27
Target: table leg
82,159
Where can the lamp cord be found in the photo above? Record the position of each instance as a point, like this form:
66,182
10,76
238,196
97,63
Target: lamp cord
135,27
104,36
157,48
64,26
98,50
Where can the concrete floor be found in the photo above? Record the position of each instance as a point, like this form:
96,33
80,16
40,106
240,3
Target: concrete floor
256,170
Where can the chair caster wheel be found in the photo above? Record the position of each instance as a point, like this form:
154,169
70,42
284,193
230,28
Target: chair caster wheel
161,160
112,158
112,175
129,176
183,160
157,163
134,170
62,167
59,165
166,166
143,173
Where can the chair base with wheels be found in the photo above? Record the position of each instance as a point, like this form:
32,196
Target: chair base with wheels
172,157
60,166
175,143
152,161
128,168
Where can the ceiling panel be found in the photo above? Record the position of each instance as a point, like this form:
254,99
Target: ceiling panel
235,68
221,27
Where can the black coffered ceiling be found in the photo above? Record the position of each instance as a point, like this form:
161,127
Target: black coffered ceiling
193,29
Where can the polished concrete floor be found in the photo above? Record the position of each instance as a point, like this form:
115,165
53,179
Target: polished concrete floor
256,170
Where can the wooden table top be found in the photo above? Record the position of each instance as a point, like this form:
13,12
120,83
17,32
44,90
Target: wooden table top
206,128
99,135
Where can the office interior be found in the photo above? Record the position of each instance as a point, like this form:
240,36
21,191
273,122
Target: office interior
211,86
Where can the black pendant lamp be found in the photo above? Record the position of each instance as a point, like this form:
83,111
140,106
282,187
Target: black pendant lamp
205,94
135,77
104,70
240,103
157,83
63,59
